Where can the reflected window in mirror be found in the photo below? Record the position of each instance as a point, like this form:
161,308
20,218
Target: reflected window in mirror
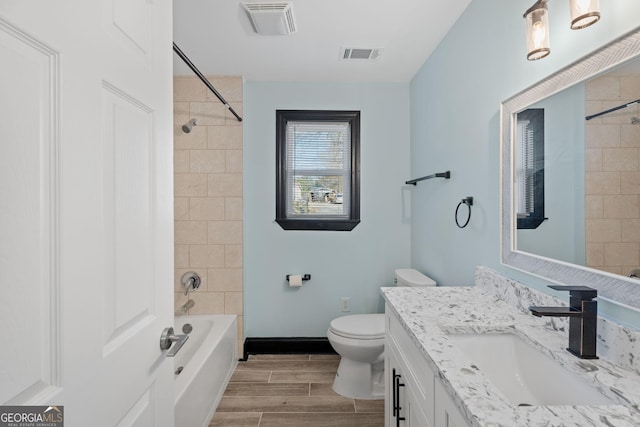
529,156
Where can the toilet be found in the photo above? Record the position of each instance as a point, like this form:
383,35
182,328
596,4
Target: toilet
359,340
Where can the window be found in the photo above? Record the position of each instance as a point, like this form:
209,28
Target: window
318,170
529,153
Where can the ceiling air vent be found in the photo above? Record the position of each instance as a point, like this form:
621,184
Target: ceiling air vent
271,19
363,54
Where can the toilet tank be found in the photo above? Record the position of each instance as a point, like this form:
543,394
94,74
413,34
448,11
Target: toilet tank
411,277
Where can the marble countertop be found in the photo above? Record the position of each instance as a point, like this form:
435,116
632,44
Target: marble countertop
429,314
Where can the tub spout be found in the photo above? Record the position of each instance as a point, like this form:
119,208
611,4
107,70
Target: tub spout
186,307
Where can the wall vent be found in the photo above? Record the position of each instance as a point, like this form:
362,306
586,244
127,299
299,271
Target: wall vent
271,19
361,53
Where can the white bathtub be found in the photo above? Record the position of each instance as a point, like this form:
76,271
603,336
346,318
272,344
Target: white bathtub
206,362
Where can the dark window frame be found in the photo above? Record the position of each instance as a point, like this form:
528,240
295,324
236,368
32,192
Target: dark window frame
317,223
535,116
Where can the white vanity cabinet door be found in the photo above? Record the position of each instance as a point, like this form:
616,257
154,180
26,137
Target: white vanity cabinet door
402,403
447,413
415,396
416,415
395,396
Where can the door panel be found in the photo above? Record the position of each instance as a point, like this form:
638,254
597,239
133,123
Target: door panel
141,413
28,233
127,192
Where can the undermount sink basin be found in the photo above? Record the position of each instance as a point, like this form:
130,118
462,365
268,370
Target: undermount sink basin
523,374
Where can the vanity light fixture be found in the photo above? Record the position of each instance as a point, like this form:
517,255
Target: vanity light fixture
583,14
537,18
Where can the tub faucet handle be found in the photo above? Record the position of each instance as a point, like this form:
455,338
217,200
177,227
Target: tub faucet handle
190,281
168,337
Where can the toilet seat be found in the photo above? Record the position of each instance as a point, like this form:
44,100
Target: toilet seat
359,326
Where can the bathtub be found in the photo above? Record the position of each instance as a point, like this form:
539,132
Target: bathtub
203,367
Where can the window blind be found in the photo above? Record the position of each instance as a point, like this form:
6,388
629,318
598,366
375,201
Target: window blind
525,168
318,167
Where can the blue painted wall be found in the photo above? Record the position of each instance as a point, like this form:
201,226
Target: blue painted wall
342,264
455,125
447,118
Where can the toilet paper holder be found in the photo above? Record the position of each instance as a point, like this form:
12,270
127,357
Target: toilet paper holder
305,277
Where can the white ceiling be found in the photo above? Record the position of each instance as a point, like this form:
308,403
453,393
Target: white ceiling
218,38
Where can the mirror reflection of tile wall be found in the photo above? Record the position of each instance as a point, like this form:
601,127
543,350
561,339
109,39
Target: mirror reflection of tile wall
612,175
208,195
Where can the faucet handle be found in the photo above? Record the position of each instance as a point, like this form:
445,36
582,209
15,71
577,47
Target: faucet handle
584,293
190,281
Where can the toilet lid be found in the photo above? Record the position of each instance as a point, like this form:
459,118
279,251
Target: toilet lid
361,326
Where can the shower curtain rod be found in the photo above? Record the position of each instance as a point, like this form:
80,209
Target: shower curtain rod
611,110
207,83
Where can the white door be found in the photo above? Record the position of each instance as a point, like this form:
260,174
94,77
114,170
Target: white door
86,231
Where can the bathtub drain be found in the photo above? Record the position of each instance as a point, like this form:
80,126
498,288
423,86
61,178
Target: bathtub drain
187,328
179,370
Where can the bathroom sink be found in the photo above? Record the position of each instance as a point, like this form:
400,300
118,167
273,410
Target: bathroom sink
526,376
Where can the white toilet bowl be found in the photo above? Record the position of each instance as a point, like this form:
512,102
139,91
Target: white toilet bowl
359,340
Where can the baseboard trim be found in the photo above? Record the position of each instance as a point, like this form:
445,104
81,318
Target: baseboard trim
295,345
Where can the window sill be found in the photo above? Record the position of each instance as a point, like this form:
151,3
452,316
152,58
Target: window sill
318,224
530,222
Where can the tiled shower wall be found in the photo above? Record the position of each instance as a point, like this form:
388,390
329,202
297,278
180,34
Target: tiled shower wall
612,175
208,195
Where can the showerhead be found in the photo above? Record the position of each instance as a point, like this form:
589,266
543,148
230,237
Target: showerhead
186,128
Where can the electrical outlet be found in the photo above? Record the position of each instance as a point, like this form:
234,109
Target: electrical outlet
345,304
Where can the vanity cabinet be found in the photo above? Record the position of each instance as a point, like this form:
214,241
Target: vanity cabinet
414,397
447,413
402,406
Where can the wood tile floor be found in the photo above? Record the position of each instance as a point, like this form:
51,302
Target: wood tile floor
292,390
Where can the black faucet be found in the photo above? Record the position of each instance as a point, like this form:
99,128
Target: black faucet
583,319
